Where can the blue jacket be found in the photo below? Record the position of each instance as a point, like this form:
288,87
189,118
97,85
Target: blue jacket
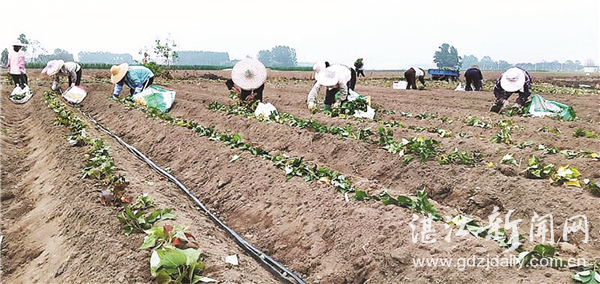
135,78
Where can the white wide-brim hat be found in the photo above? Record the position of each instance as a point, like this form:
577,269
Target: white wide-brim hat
18,43
333,75
512,80
117,72
249,74
52,67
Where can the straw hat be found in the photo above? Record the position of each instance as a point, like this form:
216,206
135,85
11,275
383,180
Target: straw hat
333,74
118,72
512,80
249,74
18,43
52,67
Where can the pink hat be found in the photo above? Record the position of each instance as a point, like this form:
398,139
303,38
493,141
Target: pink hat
52,67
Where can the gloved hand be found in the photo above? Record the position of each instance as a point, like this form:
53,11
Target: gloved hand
54,85
311,106
337,104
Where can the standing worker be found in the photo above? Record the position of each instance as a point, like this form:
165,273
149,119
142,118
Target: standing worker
16,65
473,76
336,78
248,78
58,67
137,78
513,80
411,76
358,64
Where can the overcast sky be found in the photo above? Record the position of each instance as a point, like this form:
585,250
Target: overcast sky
387,34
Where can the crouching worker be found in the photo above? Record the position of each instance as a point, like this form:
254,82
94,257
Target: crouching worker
137,78
336,78
247,81
474,79
412,74
513,80
58,67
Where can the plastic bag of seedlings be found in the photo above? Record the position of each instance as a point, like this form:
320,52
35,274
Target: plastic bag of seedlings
540,107
20,96
265,109
358,105
155,97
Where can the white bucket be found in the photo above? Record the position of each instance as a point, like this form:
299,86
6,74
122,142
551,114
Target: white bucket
400,85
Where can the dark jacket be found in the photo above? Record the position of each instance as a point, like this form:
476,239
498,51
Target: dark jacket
474,73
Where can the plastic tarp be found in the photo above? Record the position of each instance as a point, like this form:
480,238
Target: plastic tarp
20,96
74,94
540,107
155,97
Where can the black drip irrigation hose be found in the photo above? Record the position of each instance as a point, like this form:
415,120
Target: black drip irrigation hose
270,264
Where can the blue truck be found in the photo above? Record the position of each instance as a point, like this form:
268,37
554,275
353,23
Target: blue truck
444,74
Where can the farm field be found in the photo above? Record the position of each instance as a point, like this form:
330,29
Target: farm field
55,229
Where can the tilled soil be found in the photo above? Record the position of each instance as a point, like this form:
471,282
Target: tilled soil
54,228
310,227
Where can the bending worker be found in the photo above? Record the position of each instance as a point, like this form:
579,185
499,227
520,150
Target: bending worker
58,67
248,78
137,78
412,74
474,77
513,80
336,78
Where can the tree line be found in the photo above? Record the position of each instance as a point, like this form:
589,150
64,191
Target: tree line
446,57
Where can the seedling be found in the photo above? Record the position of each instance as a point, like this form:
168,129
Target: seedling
172,265
136,220
566,175
580,132
167,235
460,158
593,186
537,170
508,159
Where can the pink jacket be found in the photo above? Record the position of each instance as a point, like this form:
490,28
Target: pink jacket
16,62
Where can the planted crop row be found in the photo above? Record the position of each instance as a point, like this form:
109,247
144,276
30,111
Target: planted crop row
566,175
100,165
169,263
424,148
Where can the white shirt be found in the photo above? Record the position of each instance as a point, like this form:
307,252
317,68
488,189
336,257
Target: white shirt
418,71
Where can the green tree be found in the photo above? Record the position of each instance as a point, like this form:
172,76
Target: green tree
284,56
58,54
469,60
165,52
265,57
23,39
4,57
278,56
447,57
